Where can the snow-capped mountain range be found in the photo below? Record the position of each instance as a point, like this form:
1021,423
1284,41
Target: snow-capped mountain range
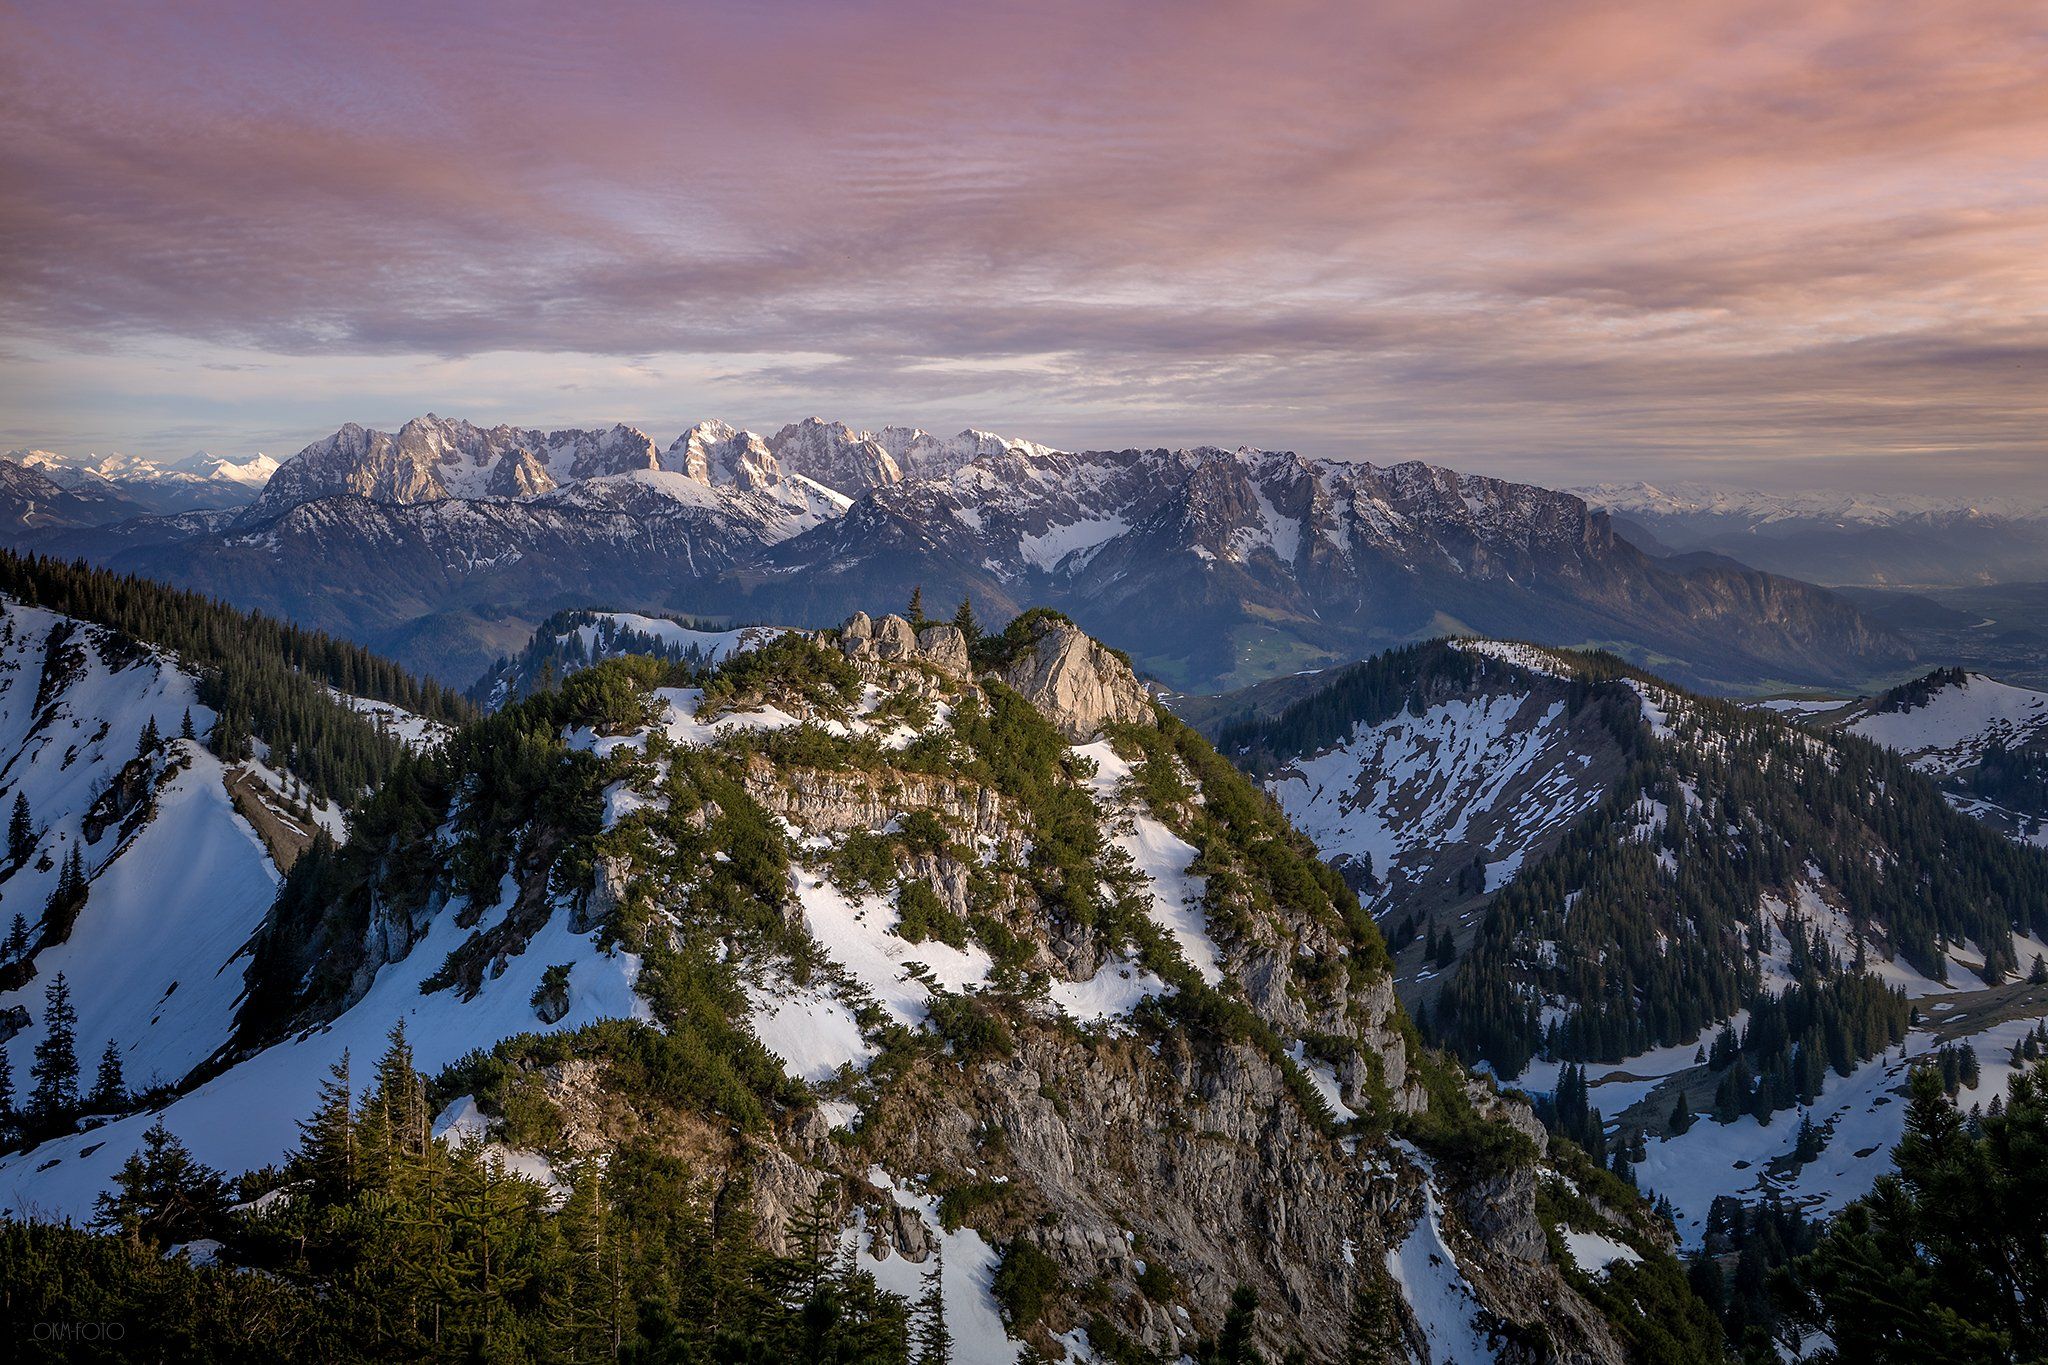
201,480
1756,508
1838,538
1212,567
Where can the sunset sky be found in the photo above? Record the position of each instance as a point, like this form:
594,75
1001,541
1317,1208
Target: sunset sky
1784,243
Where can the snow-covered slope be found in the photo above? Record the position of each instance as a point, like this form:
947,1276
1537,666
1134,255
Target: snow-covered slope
572,640
1483,780
1620,803
177,879
1954,724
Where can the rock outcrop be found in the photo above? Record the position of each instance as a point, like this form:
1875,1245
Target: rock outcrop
945,648
1078,684
895,640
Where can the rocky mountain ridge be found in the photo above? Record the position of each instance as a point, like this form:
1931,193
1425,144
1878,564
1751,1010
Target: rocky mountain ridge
1209,566
1006,982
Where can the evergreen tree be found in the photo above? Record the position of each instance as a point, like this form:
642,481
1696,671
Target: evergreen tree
1681,1115
915,613
964,619
185,730
109,1089
162,1195
6,1088
1234,1344
1375,1327
21,831
151,740
1808,1144
932,1339
60,912
17,940
54,1096
327,1140
1942,1260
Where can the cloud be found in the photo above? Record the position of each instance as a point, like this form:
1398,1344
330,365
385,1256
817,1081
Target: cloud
1546,233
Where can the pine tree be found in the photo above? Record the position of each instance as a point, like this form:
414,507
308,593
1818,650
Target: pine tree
1375,1335
17,940
1681,1115
185,730
932,1340
1234,1345
54,1096
162,1195
21,831
327,1140
916,610
1808,1144
151,739
964,619
60,912
6,1088
109,1089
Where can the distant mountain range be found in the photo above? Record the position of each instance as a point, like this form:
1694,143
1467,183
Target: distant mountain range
445,543
131,485
1841,539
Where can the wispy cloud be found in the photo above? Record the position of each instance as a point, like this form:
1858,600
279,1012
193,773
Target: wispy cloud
1555,238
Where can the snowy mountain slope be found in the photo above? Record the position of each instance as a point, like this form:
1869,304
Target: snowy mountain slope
1952,724
177,880
1211,567
1422,800
845,881
571,640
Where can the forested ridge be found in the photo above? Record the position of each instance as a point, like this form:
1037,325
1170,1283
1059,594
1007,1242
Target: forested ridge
1655,915
262,677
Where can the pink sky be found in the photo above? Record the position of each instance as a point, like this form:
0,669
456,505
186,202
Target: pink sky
1785,243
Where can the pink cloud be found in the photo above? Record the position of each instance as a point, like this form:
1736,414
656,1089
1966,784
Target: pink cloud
1385,216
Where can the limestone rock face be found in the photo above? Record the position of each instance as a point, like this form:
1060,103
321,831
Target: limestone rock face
833,454
519,475
1076,683
945,648
894,639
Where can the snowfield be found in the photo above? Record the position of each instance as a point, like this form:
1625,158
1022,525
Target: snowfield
1958,724
248,1115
